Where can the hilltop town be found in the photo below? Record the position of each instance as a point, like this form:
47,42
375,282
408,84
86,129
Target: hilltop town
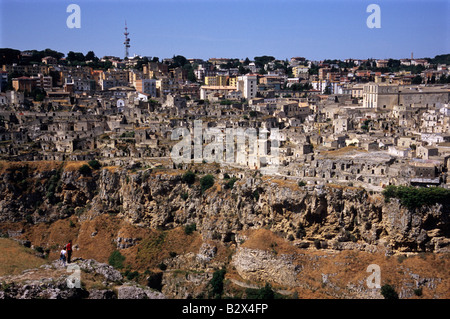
369,123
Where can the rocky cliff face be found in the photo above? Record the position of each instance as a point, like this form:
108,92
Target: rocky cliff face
325,217
318,230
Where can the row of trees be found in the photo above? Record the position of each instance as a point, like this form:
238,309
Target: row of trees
414,197
10,56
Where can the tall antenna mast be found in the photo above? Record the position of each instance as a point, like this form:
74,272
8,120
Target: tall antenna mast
127,40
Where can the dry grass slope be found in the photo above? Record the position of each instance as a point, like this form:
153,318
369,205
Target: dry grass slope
15,258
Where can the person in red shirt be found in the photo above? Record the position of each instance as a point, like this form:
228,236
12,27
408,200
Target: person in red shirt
69,251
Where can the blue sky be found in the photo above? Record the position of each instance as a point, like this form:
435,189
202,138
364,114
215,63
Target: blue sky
320,29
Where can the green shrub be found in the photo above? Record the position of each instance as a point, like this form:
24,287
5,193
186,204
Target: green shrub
127,134
85,170
184,196
301,183
53,185
255,195
216,283
226,102
94,164
188,178
116,259
162,266
206,182
230,183
388,292
131,274
263,293
69,211
418,292
413,197
189,229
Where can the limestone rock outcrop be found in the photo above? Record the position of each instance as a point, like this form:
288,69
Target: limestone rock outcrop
336,217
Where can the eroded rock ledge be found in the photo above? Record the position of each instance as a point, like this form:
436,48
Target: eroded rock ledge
329,216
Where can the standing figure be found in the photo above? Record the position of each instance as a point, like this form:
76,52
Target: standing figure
62,256
69,251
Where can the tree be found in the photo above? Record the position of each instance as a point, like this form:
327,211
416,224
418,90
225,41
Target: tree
301,87
267,292
206,182
216,283
413,197
417,80
313,70
94,164
75,57
140,64
40,96
116,259
90,56
243,70
263,293
260,61
188,178
441,59
178,61
443,79
191,76
230,183
54,54
71,56
388,292
393,65
9,56
85,170
37,94
189,229
38,55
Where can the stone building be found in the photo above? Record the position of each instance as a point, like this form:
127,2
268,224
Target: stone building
386,96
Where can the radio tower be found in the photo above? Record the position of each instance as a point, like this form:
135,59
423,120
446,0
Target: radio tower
127,40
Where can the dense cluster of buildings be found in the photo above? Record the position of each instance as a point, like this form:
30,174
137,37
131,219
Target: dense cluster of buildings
338,122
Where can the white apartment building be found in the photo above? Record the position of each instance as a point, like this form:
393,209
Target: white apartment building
248,85
80,85
300,70
320,85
